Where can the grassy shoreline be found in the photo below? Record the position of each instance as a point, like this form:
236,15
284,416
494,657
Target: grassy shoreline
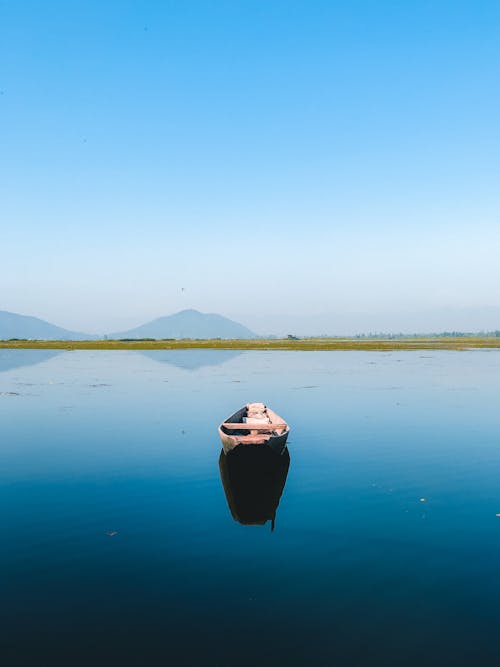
306,344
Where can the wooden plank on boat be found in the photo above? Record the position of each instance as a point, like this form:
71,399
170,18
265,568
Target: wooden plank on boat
252,439
254,427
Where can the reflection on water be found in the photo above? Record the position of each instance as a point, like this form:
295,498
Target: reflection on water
253,477
10,359
191,360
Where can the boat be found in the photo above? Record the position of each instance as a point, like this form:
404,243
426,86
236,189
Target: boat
254,424
253,479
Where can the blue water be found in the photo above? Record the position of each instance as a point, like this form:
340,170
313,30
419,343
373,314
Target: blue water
119,547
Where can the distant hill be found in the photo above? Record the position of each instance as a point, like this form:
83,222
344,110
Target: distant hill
13,325
188,324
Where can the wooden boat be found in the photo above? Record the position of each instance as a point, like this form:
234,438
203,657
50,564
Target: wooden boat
253,478
254,424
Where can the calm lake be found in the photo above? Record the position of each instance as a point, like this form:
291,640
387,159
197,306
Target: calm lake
121,544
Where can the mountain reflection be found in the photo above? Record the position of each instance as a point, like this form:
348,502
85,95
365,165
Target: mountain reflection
253,477
191,360
10,359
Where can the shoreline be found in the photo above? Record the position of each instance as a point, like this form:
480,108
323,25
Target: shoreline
306,344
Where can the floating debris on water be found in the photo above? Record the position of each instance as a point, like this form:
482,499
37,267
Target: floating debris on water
423,500
111,533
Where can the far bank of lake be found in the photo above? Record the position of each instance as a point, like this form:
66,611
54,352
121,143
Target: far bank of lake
303,344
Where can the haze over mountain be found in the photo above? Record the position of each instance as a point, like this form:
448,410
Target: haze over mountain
194,324
185,324
13,325
188,324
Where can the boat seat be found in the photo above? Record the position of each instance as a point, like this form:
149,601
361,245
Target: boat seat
254,427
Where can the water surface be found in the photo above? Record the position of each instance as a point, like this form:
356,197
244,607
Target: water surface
121,545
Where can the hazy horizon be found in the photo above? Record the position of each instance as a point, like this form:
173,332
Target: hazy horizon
289,165
335,324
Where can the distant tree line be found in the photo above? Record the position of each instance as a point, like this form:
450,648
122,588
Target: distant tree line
401,336
442,334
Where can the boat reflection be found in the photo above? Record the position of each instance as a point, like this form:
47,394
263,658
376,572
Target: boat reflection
253,478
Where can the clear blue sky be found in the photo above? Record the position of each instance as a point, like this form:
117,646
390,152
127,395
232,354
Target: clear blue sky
282,161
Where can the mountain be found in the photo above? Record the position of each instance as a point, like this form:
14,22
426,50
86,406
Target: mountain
188,324
13,325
